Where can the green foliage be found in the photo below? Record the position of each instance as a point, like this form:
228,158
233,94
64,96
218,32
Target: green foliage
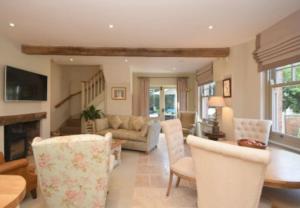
291,98
91,113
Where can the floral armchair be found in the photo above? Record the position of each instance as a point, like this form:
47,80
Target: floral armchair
73,170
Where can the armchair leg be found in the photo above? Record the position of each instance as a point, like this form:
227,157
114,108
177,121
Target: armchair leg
178,181
170,183
33,193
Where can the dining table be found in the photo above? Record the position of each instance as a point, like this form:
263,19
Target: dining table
283,171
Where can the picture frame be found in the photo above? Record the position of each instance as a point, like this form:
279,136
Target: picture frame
118,93
227,88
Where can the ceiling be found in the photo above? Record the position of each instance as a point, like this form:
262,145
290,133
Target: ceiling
139,64
140,23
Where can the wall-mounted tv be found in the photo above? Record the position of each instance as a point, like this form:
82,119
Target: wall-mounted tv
24,85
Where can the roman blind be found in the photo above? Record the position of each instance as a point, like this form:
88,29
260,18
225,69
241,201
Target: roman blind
280,44
205,74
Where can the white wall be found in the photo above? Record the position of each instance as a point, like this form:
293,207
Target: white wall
10,54
60,89
246,85
118,75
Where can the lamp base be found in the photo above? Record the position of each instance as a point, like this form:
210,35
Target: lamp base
215,128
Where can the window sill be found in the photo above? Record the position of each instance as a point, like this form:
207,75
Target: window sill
284,146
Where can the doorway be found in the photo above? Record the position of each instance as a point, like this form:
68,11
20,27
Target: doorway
163,102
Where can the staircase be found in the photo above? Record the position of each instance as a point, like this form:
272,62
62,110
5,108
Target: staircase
71,126
92,93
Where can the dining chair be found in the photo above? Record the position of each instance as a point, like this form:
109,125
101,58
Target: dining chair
227,176
252,128
73,170
180,165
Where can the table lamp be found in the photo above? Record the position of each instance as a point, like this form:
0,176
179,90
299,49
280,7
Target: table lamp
216,102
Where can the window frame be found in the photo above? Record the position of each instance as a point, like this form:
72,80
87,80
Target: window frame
201,96
285,140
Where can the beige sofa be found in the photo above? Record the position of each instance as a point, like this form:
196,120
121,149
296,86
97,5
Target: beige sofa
139,132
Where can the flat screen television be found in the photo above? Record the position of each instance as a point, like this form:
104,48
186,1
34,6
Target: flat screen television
21,85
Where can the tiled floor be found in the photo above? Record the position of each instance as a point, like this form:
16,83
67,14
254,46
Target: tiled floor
141,182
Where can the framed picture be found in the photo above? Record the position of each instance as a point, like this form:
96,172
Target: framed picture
118,93
227,88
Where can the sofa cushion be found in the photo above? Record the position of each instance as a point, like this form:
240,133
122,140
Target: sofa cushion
125,122
124,134
114,122
137,122
101,124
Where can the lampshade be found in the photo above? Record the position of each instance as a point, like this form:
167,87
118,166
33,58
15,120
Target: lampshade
216,101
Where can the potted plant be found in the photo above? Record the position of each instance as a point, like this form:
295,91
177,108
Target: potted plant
90,115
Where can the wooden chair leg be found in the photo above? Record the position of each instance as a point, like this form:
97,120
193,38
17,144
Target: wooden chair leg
178,181
33,193
170,183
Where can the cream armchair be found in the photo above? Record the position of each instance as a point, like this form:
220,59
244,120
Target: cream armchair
73,170
180,165
188,120
252,128
227,175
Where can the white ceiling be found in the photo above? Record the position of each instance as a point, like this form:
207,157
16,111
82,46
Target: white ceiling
140,23
139,64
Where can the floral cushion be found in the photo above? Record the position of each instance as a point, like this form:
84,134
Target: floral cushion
73,170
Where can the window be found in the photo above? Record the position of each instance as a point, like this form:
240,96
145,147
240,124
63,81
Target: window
285,100
205,91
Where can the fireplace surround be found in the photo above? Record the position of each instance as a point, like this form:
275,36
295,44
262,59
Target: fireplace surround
19,131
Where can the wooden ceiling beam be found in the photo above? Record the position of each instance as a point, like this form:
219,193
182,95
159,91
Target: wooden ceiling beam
127,52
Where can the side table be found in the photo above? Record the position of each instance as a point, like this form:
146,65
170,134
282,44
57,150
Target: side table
214,136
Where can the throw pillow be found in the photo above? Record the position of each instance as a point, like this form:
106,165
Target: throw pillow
115,122
125,122
138,123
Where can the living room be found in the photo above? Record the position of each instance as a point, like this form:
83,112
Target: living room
136,79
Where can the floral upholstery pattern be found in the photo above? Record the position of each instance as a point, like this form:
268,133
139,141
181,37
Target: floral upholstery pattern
73,170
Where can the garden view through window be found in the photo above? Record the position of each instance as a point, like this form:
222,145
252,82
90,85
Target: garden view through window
285,84
163,102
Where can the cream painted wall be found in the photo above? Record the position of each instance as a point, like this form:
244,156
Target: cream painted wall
167,80
10,54
60,89
118,75
247,85
66,80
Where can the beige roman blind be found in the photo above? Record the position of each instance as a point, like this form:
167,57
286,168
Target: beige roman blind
280,44
205,74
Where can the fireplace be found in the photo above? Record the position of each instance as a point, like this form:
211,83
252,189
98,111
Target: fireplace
18,138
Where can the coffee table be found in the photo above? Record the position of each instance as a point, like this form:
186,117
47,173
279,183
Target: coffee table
116,149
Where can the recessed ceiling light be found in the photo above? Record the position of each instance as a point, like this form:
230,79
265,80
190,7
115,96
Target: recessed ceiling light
11,24
210,27
111,26
71,59
126,60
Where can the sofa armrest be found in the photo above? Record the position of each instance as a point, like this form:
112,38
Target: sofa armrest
153,135
101,124
12,166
